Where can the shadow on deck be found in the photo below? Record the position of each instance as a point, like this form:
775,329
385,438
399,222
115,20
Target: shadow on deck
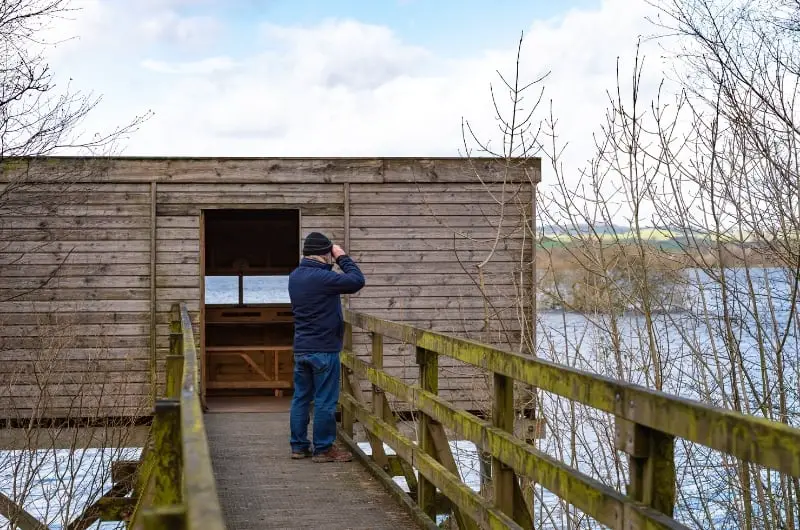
259,486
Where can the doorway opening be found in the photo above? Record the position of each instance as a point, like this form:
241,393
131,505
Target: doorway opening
248,323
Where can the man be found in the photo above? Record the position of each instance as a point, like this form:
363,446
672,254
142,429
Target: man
314,290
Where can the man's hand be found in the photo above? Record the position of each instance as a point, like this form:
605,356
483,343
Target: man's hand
337,251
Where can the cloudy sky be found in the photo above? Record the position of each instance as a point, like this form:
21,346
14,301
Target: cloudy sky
343,78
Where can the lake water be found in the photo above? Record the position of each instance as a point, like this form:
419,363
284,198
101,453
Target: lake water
755,310
255,289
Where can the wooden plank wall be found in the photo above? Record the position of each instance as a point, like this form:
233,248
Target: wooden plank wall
80,345
419,246
75,300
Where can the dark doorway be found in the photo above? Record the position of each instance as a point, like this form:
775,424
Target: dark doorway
248,255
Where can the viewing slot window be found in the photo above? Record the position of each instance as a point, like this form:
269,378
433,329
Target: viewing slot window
222,290
266,289
240,290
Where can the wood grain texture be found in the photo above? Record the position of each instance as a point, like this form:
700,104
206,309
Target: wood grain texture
279,170
398,243
76,330
434,289
76,357
99,306
471,257
461,220
180,221
378,277
115,391
436,209
444,303
433,198
75,194
123,282
34,238
83,271
445,267
274,198
105,375
79,210
67,319
186,210
83,222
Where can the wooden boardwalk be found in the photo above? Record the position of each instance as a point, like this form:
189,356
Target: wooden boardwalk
259,486
237,472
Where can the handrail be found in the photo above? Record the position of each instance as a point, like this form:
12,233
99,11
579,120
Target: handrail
175,487
199,486
647,424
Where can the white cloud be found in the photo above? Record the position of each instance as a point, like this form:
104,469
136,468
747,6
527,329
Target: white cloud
345,53
343,87
191,31
210,65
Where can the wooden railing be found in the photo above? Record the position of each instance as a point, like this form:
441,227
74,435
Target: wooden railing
647,423
174,486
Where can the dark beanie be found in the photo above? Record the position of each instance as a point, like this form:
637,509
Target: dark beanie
316,244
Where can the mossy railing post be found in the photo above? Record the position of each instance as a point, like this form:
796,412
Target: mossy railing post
651,457
169,463
347,414
382,411
503,418
378,396
429,381
485,470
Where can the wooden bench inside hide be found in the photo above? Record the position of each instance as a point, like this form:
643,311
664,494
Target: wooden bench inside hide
249,348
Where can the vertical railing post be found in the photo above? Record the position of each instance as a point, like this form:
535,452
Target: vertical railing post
507,492
651,456
378,396
167,467
503,418
383,411
485,468
347,414
428,362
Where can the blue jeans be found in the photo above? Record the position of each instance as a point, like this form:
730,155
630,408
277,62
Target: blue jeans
316,377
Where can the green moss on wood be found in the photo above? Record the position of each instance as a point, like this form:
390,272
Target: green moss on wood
177,483
603,503
459,493
769,443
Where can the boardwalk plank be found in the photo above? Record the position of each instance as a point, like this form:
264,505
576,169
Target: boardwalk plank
261,487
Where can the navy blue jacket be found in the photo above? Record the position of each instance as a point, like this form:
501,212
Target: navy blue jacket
314,290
